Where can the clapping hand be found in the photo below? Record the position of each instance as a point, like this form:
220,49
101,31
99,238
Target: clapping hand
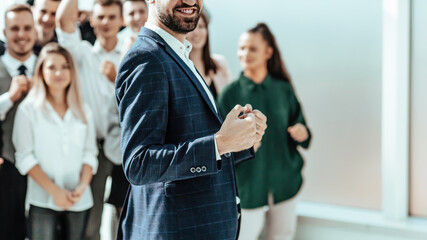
298,132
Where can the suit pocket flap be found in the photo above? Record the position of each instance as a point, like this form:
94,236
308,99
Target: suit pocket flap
188,186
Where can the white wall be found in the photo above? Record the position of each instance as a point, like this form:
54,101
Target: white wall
418,193
333,51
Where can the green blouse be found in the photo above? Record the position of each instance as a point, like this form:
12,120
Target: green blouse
277,164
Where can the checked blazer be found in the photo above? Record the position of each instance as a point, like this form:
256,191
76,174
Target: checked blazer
178,190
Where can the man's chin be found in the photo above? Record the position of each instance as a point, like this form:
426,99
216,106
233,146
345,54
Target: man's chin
186,27
22,53
47,31
108,35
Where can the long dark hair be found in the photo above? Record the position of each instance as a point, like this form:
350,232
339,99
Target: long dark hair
206,54
275,65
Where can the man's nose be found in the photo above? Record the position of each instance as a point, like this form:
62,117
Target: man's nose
45,17
21,33
189,2
137,16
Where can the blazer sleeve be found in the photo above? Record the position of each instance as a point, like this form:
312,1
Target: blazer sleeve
142,92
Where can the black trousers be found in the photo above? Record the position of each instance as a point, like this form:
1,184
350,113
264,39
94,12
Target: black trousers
44,222
13,188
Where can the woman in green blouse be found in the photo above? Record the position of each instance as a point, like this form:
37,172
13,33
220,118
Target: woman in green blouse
273,178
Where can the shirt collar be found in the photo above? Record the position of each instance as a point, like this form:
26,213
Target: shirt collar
12,64
67,117
175,44
251,85
99,49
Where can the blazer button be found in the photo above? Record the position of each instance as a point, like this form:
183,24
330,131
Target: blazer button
198,169
227,155
204,169
193,170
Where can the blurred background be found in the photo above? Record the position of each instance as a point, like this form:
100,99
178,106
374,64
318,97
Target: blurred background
359,70
365,170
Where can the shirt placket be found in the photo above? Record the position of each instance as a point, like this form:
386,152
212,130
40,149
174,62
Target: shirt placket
65,147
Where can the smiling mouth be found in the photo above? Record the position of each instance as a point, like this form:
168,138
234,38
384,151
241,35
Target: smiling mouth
186,11
21,42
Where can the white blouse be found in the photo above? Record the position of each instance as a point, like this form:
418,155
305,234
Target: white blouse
59,146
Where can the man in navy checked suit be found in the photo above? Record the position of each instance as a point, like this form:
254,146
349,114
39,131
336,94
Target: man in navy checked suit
176,149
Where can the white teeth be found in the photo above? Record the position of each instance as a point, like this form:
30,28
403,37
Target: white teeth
189,11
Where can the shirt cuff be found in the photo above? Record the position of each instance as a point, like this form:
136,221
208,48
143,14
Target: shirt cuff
25,164
218,157
5,105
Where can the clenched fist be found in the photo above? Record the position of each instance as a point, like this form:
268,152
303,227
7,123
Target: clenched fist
108,69
18,87
238,133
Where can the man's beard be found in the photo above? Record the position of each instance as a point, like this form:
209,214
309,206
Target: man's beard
19,52
176,24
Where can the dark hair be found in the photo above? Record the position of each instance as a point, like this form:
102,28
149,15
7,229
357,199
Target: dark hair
275,65
206,52
17,8
106,3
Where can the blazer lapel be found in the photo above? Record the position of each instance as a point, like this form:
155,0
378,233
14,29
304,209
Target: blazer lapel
193,79
184,67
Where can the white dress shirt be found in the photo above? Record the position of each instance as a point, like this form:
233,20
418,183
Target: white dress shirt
126,33
183,50
59,146
12,66
113,56
97,90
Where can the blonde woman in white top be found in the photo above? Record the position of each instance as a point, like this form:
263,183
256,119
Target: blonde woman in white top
55,142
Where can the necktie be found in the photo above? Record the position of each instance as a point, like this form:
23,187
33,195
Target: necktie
22,70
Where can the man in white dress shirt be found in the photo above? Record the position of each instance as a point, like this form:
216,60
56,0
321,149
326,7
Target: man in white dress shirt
16,67
97,71
135,14
44,16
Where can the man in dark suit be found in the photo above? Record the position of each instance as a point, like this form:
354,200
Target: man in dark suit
178,154
16,66
2,48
